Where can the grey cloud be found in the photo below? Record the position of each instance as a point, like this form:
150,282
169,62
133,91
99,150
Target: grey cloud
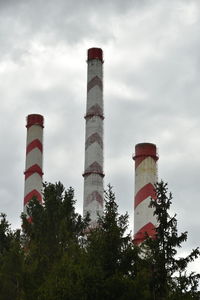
23,21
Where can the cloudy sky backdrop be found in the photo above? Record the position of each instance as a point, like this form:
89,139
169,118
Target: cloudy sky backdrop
151,94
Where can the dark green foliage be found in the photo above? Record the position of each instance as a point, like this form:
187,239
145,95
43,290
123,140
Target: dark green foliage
161,253
111,253
59,257
107,244
11,262
100,266
53,232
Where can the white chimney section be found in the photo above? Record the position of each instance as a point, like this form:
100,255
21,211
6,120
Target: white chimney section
34,159
145,177
93,174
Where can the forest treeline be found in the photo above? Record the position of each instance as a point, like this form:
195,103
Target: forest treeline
56,256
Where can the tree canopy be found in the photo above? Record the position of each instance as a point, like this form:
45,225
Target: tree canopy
58,256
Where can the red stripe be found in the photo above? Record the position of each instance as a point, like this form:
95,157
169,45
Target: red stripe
139,159
146,191
141,235
94,168
34,144
94,196
93,82
94,110
95,137
33,169
33,193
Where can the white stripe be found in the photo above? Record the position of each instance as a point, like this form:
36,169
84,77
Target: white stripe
95,68
143,214
95,93
33,182
145,173
94,125
34,157
93,154
34,132
93,183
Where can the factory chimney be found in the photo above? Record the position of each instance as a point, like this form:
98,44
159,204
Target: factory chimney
34,159
93,174
145,177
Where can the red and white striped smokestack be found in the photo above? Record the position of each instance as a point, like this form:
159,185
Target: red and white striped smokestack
93,174
34,159
145,177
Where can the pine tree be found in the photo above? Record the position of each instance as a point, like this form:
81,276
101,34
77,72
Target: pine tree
169,279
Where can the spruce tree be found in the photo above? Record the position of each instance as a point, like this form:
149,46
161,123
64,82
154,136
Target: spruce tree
54,231
169,278
11,262
112,258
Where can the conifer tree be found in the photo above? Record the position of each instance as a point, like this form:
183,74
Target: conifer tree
54,230
59,257
11,262
169,278
102,267
112,255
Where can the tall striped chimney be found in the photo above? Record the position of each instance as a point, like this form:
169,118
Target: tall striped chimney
93,174
34,159
145,177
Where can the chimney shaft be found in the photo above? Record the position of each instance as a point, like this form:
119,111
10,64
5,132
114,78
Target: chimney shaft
93,174
34,159
145,178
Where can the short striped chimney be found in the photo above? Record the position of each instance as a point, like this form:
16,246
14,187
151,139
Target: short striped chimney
93,174
145,177
34,159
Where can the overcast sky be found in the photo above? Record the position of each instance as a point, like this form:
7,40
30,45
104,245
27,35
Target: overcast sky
151,94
